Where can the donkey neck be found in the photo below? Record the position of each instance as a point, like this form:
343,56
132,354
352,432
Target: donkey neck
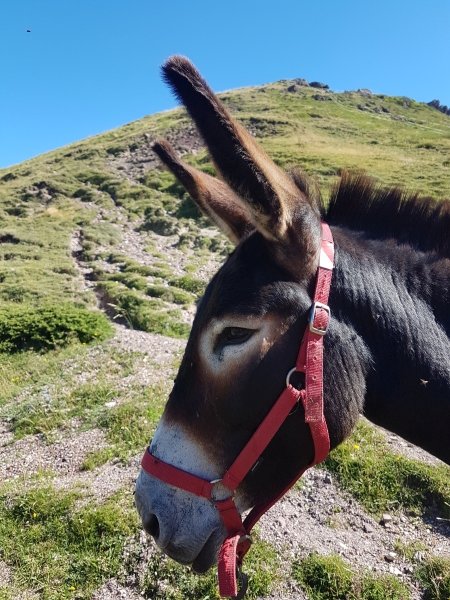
397,301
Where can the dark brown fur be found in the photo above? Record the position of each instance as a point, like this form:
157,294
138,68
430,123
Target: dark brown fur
358,203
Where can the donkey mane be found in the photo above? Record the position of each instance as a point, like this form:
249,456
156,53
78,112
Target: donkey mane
359,203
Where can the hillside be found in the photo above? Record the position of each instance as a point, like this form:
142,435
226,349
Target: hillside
103,257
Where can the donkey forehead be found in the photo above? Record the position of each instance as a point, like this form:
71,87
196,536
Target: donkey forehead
250,283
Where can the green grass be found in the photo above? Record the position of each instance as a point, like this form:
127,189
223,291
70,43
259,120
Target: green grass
434,575
141,313
331,578
383,481
167,580
54,409
58,550
129,425
42,393
30,372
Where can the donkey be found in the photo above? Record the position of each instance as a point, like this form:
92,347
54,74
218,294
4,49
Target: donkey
386,351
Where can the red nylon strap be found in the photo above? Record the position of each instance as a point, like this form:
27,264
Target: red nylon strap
310,362
261,438
230,516
319,319
234,546
176,477
226,567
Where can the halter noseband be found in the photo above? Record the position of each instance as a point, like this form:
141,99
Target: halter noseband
309,362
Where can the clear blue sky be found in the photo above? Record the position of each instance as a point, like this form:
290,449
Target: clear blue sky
91,65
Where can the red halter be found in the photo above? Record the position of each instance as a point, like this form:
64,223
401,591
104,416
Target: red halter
309,362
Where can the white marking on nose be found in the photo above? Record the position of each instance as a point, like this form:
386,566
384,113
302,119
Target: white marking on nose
174,445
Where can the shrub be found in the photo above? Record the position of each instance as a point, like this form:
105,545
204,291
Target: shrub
140,313
49,326
170,294
190,284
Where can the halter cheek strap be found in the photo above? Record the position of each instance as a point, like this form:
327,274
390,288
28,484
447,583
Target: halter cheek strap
309,362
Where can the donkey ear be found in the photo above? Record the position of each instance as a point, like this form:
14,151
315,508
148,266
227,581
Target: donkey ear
212,196
272,197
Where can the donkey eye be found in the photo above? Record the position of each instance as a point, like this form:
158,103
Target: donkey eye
233,336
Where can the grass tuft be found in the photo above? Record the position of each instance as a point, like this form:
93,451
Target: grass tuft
58,550
331,578
382,480
434,575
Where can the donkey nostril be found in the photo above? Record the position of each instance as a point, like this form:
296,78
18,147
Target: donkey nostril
151,526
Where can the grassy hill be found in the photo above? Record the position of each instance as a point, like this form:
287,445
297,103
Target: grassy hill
97,233
44,201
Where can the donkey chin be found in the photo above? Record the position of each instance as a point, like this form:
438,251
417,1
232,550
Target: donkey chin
185,527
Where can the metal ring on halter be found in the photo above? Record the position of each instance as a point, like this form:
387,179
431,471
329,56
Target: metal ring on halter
214,499
289,375
288,383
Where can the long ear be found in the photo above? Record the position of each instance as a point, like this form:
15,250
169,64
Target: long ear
272,197
213,197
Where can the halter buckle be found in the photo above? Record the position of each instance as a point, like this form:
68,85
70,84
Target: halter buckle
216,484
312,318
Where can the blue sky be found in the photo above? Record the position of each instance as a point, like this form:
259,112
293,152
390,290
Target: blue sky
88,66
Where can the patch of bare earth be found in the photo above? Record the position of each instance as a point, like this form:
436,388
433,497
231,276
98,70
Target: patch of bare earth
133,163
101,483
113,590
322,518
32,453
5,574
158,354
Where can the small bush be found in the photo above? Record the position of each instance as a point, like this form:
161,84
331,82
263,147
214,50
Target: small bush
161,224
48,327
130,279
170,294
143,314
190,284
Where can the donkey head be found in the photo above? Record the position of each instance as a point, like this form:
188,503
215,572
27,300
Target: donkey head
245,335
